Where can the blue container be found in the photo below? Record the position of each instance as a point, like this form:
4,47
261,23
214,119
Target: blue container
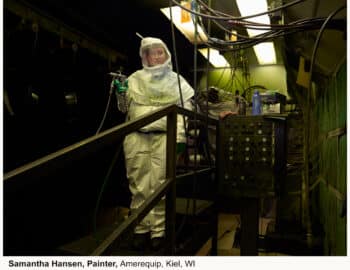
256,101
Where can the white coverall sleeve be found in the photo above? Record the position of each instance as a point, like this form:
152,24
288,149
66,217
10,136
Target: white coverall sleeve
138,110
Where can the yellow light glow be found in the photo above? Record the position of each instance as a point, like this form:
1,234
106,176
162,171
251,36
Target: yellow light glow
185,15
186,28
265,52
215,58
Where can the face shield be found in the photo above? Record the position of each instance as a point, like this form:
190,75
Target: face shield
154,53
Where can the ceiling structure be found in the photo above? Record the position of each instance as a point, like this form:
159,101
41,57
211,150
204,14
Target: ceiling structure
332,48
115,24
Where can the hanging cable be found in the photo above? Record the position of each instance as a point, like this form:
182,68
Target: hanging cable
206,142
195,58
220,78
299,25
175,53
229,17
177,64
272,31
217,13
182,102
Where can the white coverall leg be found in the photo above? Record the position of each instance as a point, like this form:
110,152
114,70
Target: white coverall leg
146,167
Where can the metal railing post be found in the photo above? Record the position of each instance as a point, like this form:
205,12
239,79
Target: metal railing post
171,174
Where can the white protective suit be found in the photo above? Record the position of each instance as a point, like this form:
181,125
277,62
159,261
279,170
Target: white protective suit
149,89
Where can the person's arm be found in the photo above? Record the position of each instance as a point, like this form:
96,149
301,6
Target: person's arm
223,114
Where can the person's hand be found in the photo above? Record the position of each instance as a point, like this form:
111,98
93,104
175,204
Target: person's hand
223,114
121,86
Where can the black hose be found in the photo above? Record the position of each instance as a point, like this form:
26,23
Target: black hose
104,183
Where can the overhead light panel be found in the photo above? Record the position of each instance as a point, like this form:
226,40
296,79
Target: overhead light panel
215,58
265,51
183,21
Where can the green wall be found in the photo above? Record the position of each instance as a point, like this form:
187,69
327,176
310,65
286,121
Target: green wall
226,79
273,77
329,159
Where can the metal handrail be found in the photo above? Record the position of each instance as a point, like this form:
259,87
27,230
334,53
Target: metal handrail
59,159
94,143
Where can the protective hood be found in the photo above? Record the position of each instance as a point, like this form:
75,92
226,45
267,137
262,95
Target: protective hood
157,85
158,70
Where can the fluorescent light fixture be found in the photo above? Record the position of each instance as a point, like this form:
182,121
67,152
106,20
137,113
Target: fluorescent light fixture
186,28
265,52
215,58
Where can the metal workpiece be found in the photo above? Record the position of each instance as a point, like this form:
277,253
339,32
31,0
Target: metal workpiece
252,155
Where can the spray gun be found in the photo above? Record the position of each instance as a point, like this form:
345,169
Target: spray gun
120,86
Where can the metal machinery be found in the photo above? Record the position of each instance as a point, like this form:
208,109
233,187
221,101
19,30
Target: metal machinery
251,165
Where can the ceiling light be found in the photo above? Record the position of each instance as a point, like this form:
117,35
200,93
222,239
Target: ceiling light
215,58
187,28
265,52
